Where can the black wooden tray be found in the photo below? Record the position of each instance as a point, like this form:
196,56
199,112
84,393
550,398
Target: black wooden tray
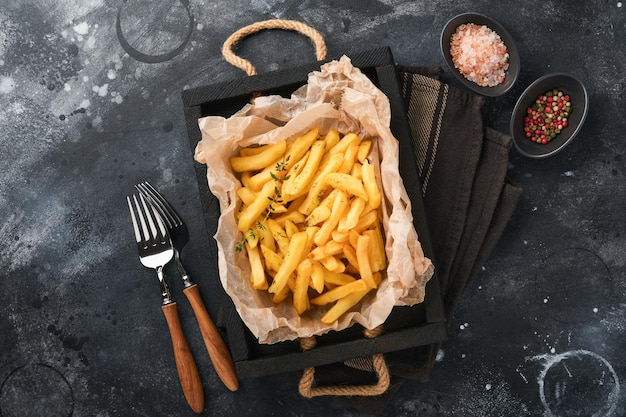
406,327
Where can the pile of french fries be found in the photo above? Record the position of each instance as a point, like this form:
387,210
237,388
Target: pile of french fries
310,218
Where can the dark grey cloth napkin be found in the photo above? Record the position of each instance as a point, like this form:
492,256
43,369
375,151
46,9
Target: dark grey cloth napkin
468,200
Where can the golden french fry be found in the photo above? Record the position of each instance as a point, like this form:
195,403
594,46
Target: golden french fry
342,236
246,195
294,171
356,171
337,278
377,255
252,238
370,184
349,157
250,213
318,186
300,298
329,199
258,180
340,205
378,277
296,184
282,295
350,253
273,260
344,143
257,271
363,258
317,253
260,160
340,292
342,305
293,216
332,264
346,183
245,178
265,235
354,213
279,235
366,221
294,254
290,228
354,237
364,150
317,277
296,149
252,150
318,215
332,248
331,138
276,207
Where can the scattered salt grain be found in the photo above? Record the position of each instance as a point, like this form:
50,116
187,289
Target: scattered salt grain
7,84
81,28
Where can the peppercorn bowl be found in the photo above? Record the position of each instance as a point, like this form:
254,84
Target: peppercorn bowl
510,74
538,130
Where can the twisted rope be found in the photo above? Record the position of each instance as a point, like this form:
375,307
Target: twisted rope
307,380
245,65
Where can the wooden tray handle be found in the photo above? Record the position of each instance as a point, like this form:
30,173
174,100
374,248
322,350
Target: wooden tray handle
245,65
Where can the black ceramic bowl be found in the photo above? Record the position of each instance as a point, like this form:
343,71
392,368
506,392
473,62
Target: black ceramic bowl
571,86
514,61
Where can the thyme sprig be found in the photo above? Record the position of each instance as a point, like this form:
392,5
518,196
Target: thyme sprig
277,198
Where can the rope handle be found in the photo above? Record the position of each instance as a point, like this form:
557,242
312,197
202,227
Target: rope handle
235,38
307,380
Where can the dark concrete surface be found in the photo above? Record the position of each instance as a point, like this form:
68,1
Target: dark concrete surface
540,332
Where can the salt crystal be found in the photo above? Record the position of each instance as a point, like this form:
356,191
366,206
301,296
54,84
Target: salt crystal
81,28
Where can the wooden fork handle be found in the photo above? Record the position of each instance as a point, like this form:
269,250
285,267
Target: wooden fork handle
218,352
185,363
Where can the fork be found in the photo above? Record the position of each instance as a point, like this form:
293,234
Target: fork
155,251
218,352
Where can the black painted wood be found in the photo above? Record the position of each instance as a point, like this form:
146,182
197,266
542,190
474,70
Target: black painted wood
408,327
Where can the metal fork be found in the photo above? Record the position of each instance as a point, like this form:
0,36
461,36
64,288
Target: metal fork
177,228
218,352
155,251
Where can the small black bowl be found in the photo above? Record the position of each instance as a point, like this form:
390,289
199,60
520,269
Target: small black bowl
571,86
514,61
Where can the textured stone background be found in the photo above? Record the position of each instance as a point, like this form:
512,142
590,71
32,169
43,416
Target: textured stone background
541,331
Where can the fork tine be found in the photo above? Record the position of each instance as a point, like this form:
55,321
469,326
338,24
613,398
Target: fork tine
153,232
142,222
134,220
156,203
166,210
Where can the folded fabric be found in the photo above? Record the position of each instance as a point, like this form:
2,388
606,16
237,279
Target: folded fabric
467,199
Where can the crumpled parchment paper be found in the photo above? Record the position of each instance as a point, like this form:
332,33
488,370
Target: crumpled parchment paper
340,97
